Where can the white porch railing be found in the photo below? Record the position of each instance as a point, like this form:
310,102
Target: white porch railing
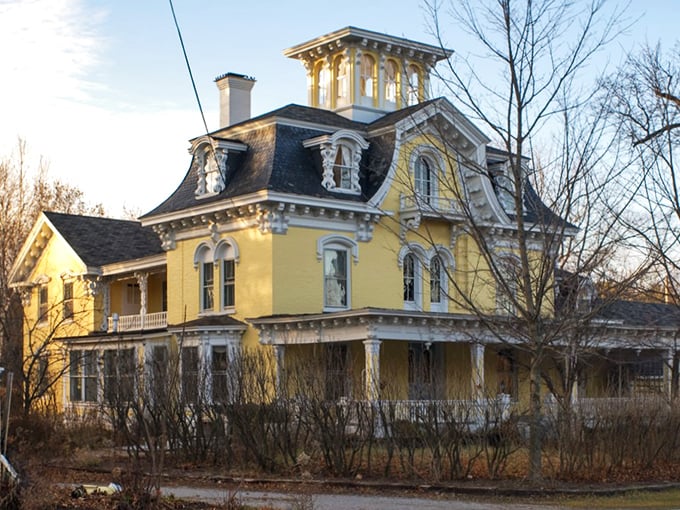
118,323
472,412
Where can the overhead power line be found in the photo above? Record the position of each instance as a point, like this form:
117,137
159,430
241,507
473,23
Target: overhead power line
191,75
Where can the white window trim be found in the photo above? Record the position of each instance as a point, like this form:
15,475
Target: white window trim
214,253
329,146
226,249
82,377
447,268
437,167
421,260
504,303
350,246
206,146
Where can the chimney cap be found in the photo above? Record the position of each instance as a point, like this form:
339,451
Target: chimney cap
234,75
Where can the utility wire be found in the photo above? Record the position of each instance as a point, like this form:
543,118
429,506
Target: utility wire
186,59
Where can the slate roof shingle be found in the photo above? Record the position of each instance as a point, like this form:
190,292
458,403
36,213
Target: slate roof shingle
643,314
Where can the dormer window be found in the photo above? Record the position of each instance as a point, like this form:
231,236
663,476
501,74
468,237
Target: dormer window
210,164
504,186
341,154
342,169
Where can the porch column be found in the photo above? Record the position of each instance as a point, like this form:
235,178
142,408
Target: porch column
142,280
279,359
372,369
477,358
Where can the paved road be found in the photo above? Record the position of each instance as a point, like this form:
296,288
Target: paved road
338,501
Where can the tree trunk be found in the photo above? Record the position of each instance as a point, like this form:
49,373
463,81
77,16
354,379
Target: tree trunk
535,425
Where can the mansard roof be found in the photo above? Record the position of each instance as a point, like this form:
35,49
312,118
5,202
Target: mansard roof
276,159
99,241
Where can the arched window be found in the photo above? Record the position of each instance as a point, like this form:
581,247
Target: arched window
424,179
342,167
391,81
321,83
335,251
410,278
226,256
341,154
436,273
413,91
203,261
508,274
410,260
441,270
367,76
341,81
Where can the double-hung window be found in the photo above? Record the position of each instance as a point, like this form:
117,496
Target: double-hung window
83,376
335,252
335,277
68,300
228,283
42,303
120,371
190,374
207,285
424,180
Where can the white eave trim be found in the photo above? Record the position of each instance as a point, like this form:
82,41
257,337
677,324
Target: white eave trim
128,266
262,197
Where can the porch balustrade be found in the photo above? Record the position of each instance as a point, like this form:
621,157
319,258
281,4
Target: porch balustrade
429,204
474,413
137,322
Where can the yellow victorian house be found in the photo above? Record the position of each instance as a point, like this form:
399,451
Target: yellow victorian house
327,234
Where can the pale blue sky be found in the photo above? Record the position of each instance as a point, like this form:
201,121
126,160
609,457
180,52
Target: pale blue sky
100,88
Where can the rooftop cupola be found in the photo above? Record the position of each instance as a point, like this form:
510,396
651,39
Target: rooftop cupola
362,74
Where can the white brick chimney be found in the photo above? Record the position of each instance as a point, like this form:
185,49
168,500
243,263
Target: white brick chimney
234,98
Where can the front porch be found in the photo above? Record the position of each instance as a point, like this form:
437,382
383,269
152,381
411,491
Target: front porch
415,359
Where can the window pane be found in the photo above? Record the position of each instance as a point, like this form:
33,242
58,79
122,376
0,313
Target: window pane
390,81
366,77
337,372
412,96
68,300
342,169
42,303
423,179
90,375
119,375
190,380
335,275
321,84
220,363
409,278
207,286
228,284
75,376
341,78
159,372
435,280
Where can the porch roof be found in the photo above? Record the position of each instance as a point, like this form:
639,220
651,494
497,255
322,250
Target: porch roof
371,324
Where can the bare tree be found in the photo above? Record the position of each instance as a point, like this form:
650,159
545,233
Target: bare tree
25,191
643,99
521,82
